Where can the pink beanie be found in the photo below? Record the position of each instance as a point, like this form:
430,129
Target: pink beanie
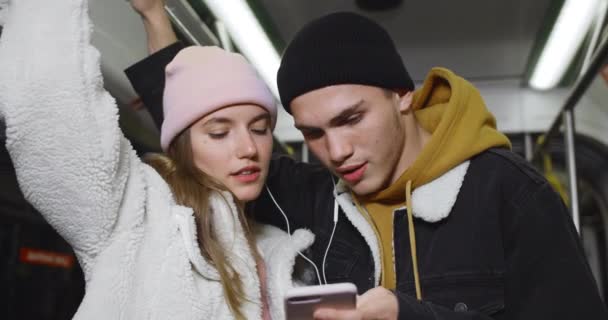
201,80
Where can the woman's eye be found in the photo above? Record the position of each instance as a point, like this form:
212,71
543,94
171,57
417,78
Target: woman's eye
217,135
260,130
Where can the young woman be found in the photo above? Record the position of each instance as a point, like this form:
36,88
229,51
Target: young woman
174,245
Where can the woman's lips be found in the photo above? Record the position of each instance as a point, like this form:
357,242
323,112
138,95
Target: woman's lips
247,174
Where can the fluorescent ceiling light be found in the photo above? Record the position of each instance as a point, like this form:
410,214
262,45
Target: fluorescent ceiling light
249,36
570,28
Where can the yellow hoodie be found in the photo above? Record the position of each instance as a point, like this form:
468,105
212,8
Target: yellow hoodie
452,110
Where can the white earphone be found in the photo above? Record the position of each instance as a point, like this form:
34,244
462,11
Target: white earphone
336,209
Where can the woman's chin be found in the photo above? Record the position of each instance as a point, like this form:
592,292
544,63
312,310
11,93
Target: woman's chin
247,193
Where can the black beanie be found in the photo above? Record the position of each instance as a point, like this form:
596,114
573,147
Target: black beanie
340,48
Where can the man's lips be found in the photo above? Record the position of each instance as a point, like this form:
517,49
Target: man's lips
349,168
352,173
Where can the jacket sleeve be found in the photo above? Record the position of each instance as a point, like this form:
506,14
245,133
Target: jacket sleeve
148,79
547,275
72,161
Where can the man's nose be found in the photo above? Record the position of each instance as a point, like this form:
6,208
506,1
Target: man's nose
339,148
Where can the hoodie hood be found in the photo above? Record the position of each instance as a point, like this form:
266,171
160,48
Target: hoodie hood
453,111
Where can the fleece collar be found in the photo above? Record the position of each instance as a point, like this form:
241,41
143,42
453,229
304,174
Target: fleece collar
278,249
187,225
358,220
433,201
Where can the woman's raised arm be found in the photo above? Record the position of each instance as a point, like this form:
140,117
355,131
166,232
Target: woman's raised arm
72,161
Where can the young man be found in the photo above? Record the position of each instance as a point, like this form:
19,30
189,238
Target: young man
432,204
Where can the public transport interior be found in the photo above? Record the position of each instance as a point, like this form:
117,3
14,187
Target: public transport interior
540,66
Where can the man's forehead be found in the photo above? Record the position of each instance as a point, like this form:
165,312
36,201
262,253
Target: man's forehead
338,92
332,99
319,116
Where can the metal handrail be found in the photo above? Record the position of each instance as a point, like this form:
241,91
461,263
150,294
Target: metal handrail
566,117
186,20
579,89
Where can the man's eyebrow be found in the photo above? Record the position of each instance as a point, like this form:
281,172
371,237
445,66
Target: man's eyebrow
343,116
338,119
305,128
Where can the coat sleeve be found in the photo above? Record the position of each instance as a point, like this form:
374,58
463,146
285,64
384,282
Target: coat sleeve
547,272
148,79
71,159
547,275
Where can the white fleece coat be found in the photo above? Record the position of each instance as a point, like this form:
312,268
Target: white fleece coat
137,248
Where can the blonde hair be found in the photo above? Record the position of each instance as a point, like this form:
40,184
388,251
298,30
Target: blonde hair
192,187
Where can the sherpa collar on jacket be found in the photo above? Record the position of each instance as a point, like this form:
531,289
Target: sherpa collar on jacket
276,247
431,202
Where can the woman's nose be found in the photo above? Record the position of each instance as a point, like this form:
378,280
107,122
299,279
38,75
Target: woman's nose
246,147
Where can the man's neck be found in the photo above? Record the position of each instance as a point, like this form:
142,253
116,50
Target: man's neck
415,140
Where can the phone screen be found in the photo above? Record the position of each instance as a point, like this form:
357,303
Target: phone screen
301,303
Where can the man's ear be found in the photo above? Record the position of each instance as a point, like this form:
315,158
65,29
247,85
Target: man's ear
405,101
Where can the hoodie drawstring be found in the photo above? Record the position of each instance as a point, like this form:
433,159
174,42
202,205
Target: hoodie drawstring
410,222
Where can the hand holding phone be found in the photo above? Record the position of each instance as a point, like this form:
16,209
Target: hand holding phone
301,303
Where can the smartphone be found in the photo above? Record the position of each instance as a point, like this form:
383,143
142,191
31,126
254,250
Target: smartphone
301,303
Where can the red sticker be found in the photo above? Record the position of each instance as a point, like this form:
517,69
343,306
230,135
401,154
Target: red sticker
47,258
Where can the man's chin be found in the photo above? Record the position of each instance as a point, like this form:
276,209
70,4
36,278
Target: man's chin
361,188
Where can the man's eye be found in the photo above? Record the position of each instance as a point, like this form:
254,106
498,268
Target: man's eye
354,119
312,134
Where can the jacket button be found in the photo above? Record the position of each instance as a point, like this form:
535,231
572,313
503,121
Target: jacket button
461,307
